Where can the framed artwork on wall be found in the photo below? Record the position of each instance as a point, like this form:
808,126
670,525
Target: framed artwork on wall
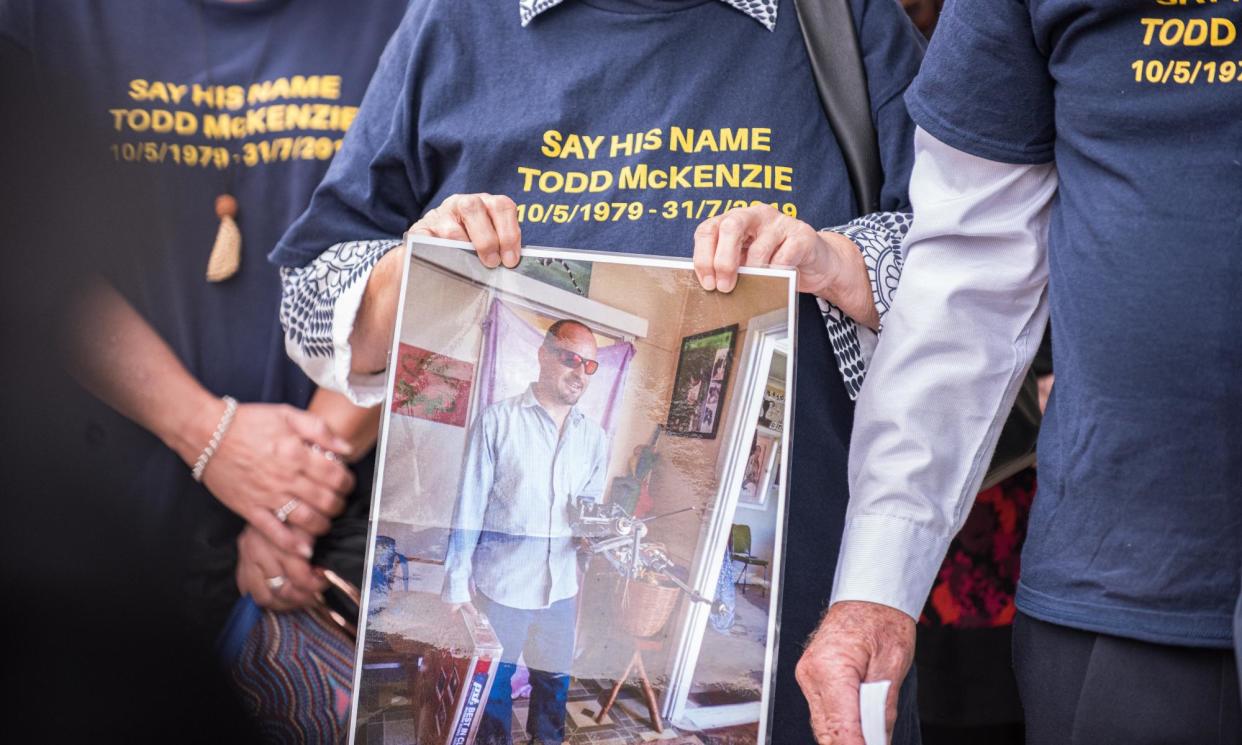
702,379
760,468
772,416
431,386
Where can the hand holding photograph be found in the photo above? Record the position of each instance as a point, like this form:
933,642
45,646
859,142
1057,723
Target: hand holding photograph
568,570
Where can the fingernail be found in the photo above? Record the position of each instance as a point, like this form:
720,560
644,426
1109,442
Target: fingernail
709,282
510,258
306,551
342,446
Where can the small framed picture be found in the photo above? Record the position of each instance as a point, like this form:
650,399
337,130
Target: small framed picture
772,415
702,379
760,469
431,386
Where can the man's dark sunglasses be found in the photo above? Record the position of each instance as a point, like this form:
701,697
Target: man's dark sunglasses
573,359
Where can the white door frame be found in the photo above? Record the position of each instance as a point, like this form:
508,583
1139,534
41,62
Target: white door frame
765,334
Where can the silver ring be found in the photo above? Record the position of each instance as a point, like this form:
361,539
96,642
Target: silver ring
286,509
325,453
275,583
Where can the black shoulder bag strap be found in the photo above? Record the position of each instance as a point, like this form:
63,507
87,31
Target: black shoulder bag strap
837,66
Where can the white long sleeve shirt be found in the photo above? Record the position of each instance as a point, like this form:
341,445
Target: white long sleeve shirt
957,341
522,480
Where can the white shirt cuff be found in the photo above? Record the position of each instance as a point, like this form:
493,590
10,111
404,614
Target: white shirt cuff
456,587
319,306
888,560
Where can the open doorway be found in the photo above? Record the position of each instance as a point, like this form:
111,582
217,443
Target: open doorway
729,648
731,660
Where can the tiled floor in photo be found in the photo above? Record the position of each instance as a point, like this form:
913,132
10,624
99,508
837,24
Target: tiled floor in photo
628,723
723,677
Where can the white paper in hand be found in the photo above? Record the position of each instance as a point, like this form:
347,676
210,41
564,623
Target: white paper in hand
871,699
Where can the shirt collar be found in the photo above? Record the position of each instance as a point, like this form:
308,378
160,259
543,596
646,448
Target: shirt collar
763,11
529,400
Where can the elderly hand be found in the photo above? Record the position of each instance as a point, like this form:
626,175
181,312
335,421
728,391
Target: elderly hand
275,579
273,458
829,264
856,643
489,221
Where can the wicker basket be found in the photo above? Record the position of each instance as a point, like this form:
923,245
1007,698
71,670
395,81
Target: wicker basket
645,608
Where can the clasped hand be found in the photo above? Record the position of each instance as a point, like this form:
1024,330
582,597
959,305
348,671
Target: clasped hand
274,454
274,578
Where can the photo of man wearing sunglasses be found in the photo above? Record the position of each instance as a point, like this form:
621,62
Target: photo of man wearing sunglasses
530,460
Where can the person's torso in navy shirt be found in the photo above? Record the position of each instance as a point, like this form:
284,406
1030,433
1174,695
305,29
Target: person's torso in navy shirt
584,116
613,124
1137,528
203,98
195,99
621,125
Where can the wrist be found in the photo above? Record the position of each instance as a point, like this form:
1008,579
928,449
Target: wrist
841,258
847,283
376,315
194,425
875,609
888,627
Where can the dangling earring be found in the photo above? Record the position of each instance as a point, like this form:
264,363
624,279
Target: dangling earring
225,256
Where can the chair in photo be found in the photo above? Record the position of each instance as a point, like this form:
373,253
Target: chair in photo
740,552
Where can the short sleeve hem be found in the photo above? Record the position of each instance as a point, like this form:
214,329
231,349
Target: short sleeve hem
284,255
292,256
974,144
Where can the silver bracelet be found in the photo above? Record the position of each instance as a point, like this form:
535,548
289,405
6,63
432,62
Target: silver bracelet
200,465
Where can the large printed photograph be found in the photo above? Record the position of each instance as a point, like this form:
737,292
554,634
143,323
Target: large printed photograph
556,552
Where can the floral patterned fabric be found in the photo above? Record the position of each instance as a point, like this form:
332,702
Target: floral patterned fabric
976,583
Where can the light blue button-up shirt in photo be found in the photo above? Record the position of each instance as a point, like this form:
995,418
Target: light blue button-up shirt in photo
521,480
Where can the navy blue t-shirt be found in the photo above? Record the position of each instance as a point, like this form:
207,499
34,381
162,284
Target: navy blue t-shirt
614,124
251,98
621,125
1137,527
194,99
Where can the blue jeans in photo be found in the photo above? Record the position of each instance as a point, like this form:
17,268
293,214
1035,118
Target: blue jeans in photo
546,637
